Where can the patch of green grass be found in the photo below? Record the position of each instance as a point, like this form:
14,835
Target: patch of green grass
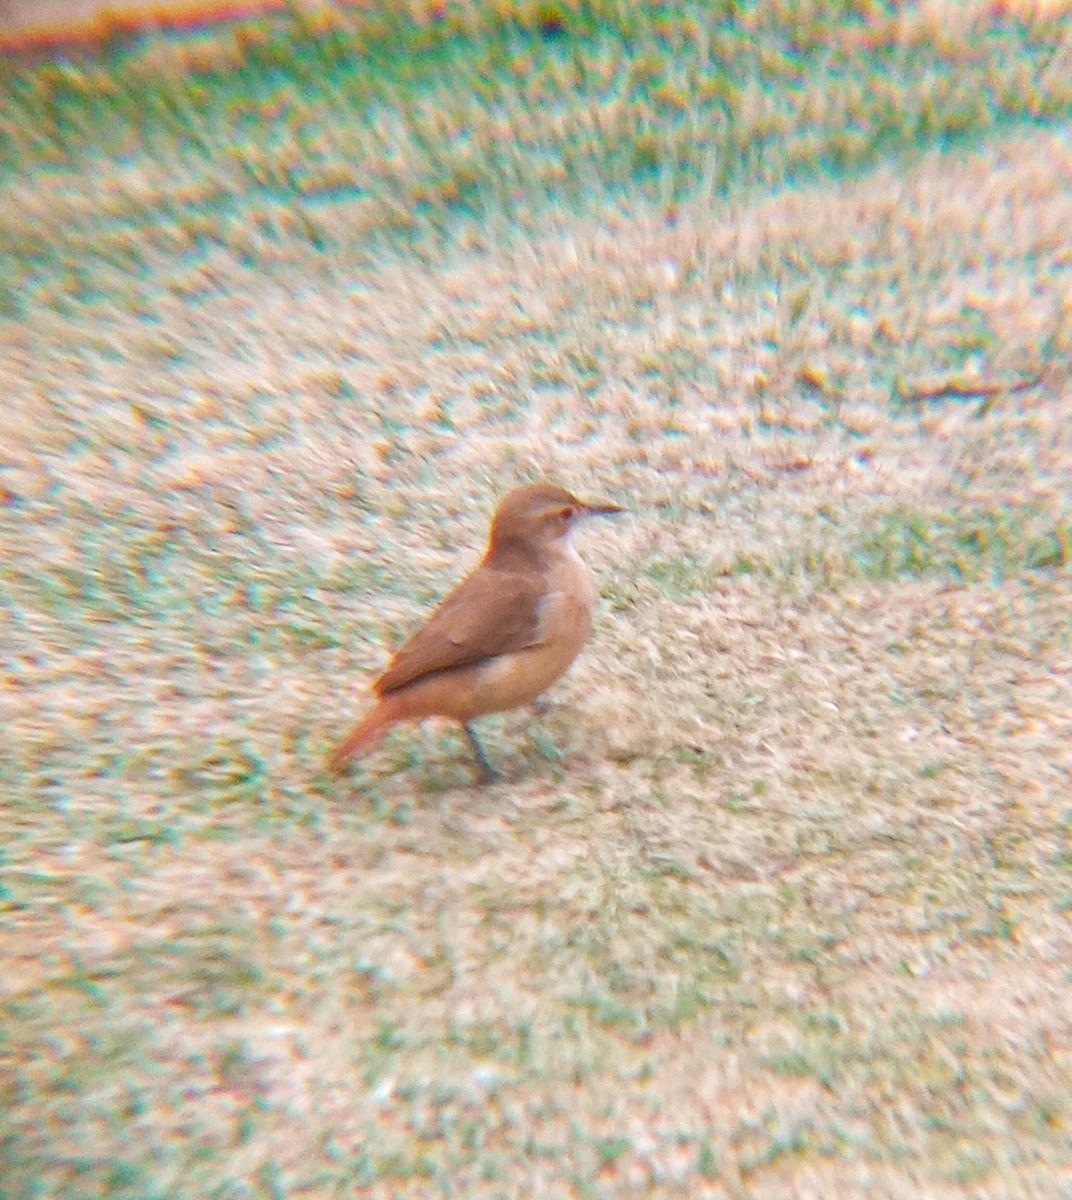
681,576
968,543
993,543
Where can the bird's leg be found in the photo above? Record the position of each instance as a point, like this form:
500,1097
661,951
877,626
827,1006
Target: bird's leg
488,774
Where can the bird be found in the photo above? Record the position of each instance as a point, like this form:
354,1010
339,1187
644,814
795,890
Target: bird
504,634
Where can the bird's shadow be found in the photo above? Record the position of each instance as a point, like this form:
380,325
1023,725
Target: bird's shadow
445,762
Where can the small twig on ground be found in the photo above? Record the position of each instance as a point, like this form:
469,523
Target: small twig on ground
961,389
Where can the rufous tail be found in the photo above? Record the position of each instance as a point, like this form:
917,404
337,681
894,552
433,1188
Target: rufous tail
365,734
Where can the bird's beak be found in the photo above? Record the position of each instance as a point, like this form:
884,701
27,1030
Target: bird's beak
602,510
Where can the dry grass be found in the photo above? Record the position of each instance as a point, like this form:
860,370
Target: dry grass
777,898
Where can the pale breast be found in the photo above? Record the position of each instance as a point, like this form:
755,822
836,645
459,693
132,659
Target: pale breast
565,613
564,622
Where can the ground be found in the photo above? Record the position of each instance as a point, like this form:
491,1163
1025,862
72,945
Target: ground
776,898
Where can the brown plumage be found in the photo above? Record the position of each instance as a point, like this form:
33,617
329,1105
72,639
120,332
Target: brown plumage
503,635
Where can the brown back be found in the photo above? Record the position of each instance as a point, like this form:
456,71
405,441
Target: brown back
490,612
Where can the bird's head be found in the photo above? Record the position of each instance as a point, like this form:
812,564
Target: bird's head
540,514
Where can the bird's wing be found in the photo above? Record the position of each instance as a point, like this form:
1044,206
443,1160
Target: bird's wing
489,613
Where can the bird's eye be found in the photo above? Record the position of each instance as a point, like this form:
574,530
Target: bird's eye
566,514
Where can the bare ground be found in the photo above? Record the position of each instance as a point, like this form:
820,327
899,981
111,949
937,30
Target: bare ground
777,898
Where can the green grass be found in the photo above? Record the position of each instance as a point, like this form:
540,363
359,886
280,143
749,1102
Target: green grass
993,543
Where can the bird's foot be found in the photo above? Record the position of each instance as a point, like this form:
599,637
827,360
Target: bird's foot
489,774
